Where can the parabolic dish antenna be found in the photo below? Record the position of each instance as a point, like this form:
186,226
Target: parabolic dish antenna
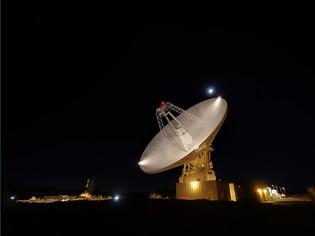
186,133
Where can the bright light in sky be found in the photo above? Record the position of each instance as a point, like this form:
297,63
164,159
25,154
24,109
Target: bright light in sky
116,198
210,91
12,197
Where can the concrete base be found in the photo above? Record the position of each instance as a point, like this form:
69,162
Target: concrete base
208,190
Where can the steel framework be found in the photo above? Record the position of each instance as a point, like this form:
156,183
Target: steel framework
165,111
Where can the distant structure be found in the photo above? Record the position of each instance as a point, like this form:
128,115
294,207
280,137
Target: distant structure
269,193
155,196
87,195
89,188
186,140
311,191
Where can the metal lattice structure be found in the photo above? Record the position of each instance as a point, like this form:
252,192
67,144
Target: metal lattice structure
165,111
199,169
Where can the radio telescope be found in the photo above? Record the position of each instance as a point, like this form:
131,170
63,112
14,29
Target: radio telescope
185,138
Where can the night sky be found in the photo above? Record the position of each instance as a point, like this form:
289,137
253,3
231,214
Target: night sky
80,88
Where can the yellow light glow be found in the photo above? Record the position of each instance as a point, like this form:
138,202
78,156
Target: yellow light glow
259,191
265,191
194,185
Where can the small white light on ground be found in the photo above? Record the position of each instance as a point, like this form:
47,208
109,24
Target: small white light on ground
116,198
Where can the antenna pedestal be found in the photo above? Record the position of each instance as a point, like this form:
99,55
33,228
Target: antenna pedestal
200,169
198,180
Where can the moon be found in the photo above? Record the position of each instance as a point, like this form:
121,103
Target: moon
210,91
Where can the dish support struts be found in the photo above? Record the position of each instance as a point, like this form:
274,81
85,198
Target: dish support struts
165,111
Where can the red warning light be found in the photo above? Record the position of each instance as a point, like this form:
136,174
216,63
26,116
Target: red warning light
162,104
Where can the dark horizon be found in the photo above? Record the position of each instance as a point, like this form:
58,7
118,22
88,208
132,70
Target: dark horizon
80,92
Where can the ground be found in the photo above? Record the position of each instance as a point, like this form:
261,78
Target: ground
156,217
